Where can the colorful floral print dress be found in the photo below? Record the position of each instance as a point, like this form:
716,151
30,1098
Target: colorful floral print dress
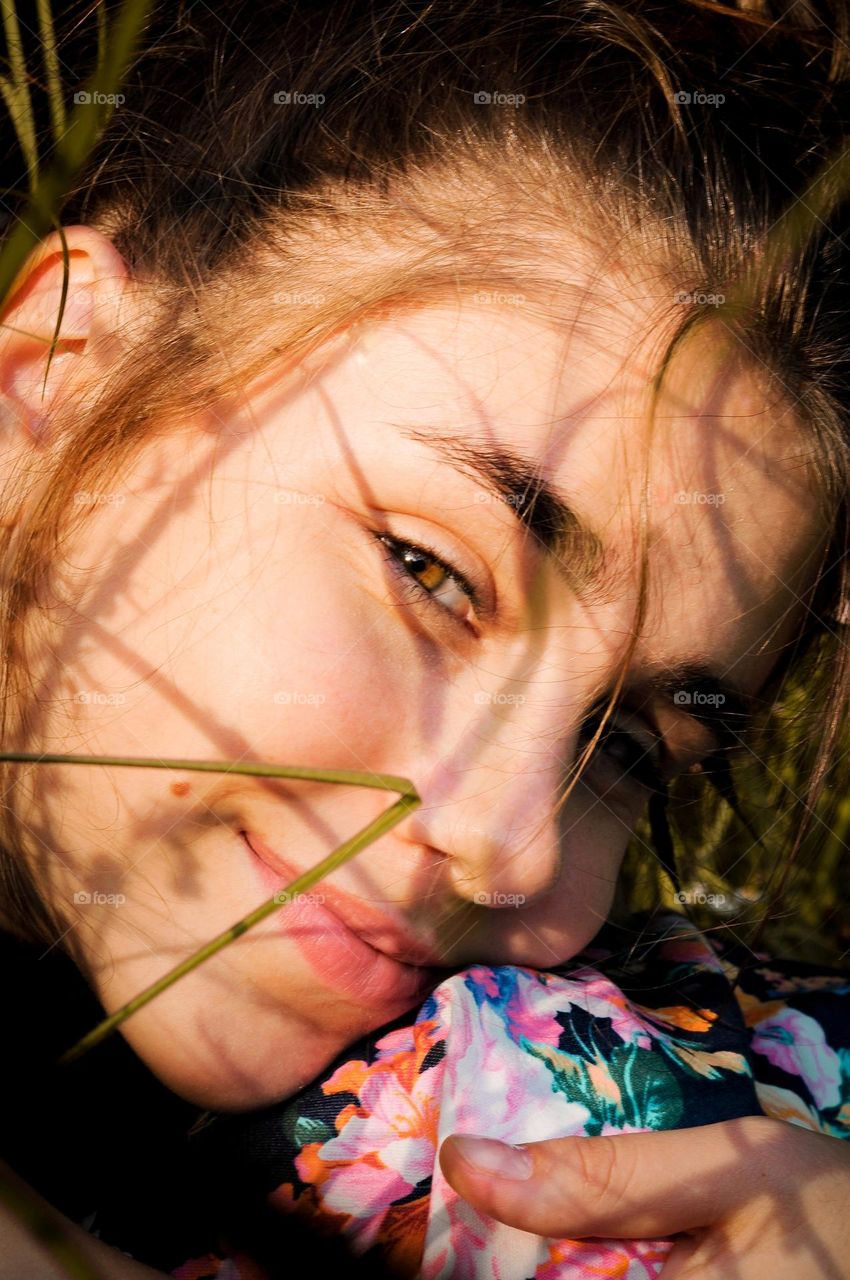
657,1028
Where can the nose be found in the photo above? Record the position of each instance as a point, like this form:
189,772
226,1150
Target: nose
490,806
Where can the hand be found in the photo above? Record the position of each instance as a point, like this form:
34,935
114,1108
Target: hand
753,1198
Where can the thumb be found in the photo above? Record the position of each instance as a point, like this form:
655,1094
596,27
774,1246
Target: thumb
629,1185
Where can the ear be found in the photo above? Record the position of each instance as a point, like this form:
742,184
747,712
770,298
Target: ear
97,283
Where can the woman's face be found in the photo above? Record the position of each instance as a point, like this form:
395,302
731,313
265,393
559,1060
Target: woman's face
235,601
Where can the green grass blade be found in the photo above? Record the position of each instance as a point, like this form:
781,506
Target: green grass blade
16,104
66,276
83,128
101,37
51,68
18,100
347,850
88,117
349,777
409,800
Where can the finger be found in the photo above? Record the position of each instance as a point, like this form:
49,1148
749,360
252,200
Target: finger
680,1260
632,1184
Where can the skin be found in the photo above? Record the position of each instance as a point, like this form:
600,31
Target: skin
753,1198
203,594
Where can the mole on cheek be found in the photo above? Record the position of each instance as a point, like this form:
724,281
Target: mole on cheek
180,788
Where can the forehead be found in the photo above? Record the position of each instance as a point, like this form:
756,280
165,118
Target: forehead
732,507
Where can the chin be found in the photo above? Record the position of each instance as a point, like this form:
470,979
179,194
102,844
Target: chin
236,1072
231,1091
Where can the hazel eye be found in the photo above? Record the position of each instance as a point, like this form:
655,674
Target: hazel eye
438,582
427,572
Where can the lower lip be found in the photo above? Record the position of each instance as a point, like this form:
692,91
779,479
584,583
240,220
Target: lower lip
339,956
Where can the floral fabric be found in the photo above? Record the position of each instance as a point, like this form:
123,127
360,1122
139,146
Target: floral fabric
647,1036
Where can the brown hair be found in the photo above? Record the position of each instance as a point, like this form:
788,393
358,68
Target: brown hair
366,155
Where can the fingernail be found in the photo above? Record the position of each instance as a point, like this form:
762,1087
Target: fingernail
495,1157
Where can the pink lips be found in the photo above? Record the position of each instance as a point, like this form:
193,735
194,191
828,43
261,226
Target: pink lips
351,946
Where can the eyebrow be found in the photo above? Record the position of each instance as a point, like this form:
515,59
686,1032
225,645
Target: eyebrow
578,552
690,685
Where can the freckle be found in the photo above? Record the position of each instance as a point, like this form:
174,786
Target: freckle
180,788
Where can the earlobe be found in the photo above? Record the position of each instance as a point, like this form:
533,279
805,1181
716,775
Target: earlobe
97,278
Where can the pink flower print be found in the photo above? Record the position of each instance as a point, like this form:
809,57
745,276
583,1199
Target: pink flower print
620,1259
529,1013
691,951
385,1152
484,978
795,1043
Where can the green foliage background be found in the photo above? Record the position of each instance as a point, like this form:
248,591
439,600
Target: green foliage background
716,855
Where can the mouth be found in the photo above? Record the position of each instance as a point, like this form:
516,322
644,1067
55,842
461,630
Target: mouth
350,943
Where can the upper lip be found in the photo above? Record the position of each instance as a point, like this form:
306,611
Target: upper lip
378,930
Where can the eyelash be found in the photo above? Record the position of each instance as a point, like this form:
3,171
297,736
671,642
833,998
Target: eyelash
420,594
643,771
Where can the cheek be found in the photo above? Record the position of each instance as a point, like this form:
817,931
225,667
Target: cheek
597,836
330,675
